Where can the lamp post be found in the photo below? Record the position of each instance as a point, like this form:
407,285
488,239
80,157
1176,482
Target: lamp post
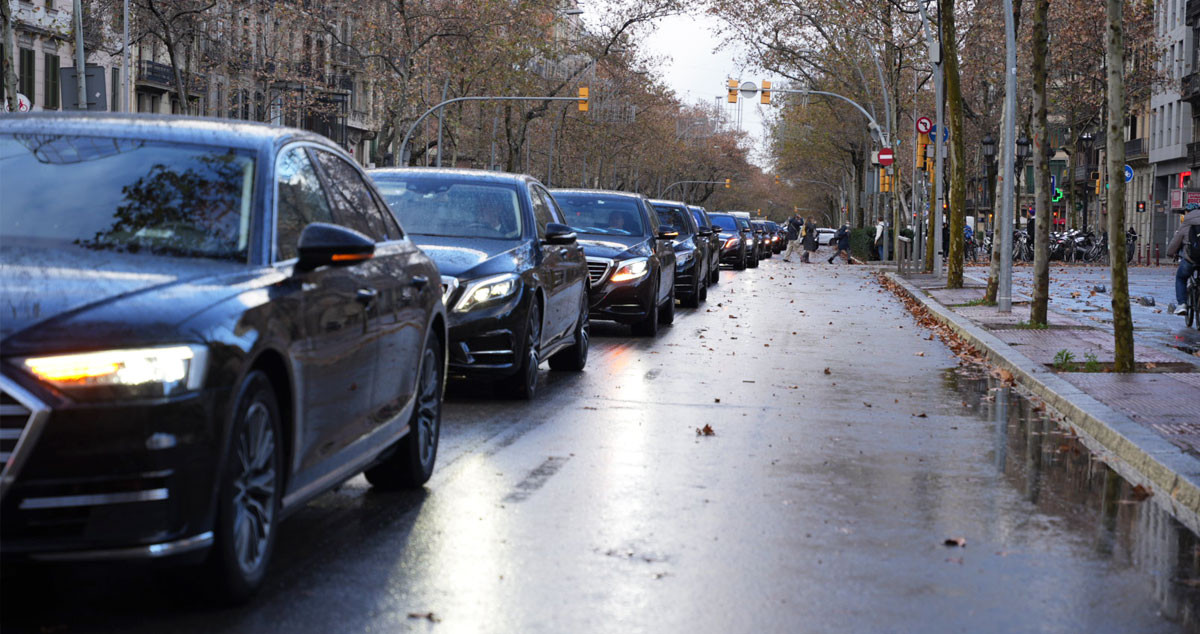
989,158
1019,166
1086,141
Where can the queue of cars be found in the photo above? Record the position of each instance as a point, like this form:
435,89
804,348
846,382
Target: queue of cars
240,319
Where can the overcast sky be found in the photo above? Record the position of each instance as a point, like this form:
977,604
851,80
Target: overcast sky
695,68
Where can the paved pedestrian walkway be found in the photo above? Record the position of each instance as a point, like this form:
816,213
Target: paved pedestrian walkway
1164,395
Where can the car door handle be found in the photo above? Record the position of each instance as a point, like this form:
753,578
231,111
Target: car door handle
419,281
366,296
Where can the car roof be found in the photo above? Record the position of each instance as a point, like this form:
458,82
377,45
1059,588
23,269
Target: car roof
606,192
673,203
173,128
474,174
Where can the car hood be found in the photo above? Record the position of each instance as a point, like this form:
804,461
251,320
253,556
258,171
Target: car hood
465,257
614,247
45,286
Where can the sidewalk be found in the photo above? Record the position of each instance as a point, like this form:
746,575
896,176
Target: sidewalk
1146,424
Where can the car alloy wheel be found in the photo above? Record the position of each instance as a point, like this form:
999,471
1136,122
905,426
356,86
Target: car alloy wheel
523,384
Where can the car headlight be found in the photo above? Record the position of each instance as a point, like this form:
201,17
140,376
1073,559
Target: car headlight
730,243
631,270
145,372
682,258
485,291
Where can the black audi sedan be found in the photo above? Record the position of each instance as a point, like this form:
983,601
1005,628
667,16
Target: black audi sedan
735,240
692,248
631,259
206,324
700,215
514,278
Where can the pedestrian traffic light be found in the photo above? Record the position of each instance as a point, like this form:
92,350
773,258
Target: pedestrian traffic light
732,88
1141,206
766,91
583,98
728,183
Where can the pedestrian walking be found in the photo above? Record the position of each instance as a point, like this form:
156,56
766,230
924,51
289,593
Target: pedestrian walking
795,231
811,242
880,246
843,244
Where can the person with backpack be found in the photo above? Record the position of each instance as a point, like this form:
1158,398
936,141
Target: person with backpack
1186,245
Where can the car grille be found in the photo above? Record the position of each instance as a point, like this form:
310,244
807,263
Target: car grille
13,418
598,270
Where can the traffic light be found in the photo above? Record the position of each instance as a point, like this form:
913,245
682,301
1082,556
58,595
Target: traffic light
1097,184
777,179
766,91
728,183
583,98
1141,206
732,88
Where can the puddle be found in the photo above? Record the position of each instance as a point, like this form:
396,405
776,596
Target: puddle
1062,479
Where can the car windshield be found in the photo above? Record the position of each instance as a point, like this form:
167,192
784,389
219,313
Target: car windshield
597,213
450,206
699,217
728,223
672,218
742,222
136,196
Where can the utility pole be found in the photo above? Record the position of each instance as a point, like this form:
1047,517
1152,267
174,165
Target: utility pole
80,66
1004,225
935,58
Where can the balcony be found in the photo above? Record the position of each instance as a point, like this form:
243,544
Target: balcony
1192,16
1135,150
1189,89
163,76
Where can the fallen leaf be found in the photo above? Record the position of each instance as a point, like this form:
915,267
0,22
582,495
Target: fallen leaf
1140,493
707,430
827,371
920,354
960,542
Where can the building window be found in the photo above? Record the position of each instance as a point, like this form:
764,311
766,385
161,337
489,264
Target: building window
50,83
26,82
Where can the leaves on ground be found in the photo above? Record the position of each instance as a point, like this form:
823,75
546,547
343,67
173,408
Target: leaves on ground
827,371
707,430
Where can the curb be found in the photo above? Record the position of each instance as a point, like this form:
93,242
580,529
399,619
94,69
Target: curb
1137,453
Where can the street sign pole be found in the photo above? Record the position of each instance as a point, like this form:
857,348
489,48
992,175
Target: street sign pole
81,99
1004,229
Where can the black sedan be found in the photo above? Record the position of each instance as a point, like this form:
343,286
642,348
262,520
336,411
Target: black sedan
214,323
776,233
513,277
764,235
631,260
714,241
692,249
735,240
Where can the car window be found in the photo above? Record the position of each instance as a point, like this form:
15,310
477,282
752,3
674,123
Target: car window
452,206
137,196
351,200
673,218
543,213
603,214
556,212
699,217
651,216
301,200
727,223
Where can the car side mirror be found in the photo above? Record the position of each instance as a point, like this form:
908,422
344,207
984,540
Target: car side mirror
705,231
667,234
324,244
559,234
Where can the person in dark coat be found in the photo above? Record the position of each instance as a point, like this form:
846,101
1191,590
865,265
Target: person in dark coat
795,227
843,243
810,240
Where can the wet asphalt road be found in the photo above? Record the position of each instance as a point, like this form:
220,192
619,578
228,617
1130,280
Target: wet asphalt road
820,504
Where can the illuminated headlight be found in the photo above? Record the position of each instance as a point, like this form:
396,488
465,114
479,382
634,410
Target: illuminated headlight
485,291
449,285
146,372
730,243
631,270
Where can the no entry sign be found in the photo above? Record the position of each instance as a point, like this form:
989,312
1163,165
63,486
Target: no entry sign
885,157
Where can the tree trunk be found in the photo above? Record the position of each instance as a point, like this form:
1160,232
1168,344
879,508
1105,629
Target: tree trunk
7,48
1041,168
958,158
1115,61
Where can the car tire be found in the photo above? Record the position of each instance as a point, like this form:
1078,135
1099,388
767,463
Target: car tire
666,314
648,326
742,262
411,462
753,262
574,358
702,292
714,275
522,385
249,496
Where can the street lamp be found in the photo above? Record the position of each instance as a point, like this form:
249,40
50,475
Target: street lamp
1086,141
1022,149
989,148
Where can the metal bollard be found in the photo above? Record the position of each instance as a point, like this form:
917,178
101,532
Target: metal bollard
1156,255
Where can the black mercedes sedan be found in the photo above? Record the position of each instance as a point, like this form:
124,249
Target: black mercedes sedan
700,215
514,278
631,260
692,247
206,324
735,240
764,235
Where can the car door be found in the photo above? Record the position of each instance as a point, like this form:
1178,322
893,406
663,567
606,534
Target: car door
333,356
552,268
573,267
664,251
392,292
